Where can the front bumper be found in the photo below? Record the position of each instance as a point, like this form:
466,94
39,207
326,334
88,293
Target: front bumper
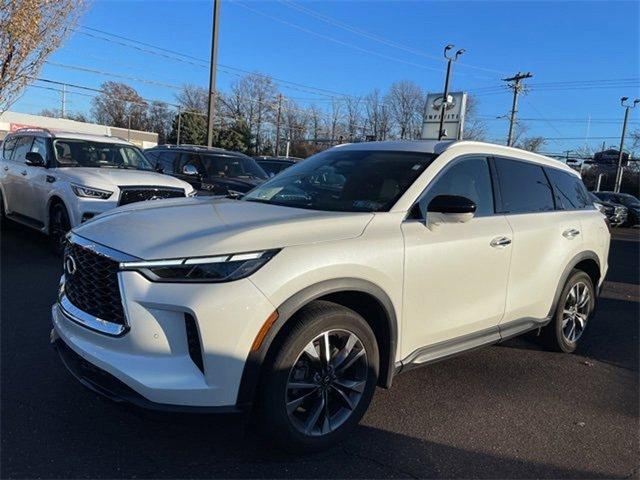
153,359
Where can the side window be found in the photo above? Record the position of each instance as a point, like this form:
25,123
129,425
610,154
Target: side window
8,147
166,161
468,177
189,158
40,146
524,187
569,190
23,145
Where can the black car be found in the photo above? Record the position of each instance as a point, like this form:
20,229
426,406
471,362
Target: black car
615,213
629,201
211,171
274,165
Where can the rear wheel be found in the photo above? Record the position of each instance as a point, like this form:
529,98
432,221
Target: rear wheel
321,380
574,309
59,226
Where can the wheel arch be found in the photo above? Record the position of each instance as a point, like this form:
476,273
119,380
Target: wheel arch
364,297
54,199
586,261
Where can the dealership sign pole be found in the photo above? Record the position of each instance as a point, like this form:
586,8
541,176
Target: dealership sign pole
212,77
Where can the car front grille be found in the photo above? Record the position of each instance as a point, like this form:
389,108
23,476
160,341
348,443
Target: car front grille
142,194
91,283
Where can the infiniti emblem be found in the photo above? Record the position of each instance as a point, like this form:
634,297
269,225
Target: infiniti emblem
70,265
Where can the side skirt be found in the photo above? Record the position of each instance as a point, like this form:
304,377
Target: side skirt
24,220
465,343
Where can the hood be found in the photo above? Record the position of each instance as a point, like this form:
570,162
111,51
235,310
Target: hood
191,227
108,178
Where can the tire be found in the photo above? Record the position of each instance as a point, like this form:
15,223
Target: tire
571,319
355,374
59,226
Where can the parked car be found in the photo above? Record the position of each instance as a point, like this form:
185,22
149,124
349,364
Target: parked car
629,201
615,213
55,181
211,171
363,261
274,165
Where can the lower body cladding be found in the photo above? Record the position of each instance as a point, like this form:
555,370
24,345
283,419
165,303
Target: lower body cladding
186,344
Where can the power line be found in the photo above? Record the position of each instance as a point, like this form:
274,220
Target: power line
371,36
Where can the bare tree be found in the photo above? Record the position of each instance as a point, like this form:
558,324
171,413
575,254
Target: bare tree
193,98
333,121
315,120
119,105
406,104
353,106
159,119
30,30
474,128
532,144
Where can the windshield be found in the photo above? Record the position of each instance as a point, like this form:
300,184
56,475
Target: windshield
232,166
85,153
344,181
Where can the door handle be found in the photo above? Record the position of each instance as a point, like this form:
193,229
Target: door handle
500,242
6,168
571,233
23,172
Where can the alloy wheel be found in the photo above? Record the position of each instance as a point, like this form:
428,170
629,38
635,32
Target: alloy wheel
576,312
326,383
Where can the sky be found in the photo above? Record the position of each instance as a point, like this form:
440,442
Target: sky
584,55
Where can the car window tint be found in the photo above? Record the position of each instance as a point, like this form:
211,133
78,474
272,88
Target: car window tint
524,187
23,145
569,190
190,159
166,161
8,147
469,178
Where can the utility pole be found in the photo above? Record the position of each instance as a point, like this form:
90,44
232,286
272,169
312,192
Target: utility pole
517,87
624,132
278,124
212,73
63,107
445,96
179,124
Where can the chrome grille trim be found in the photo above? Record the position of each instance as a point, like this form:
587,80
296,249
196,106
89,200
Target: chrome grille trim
115,255
71,312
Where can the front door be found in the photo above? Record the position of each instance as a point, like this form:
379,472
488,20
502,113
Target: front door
456,273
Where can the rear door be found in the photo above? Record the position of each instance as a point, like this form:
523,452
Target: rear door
542,238
18,175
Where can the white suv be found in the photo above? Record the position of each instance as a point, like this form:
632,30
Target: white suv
55,181
329,279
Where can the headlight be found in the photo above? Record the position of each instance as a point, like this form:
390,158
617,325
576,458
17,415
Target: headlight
221,268
89,192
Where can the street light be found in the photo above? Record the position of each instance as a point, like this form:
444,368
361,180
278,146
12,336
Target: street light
445,96
627,107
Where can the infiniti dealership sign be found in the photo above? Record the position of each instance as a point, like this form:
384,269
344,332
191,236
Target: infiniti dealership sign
453,116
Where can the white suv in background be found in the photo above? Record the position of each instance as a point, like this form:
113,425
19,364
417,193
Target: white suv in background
55,181
345,269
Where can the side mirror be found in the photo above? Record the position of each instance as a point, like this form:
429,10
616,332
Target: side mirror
451,209
34,159
190,170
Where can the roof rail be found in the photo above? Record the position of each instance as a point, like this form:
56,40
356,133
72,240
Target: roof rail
33,129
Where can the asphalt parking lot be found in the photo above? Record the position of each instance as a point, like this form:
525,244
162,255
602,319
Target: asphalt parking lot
509,411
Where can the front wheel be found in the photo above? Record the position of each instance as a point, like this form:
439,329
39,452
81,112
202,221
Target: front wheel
571,318
59,226
320,382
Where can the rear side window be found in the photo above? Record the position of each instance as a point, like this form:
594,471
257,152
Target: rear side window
8,147
166,161
524,187
569,191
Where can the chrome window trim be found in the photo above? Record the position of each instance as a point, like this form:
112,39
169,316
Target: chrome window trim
115,255
73,313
